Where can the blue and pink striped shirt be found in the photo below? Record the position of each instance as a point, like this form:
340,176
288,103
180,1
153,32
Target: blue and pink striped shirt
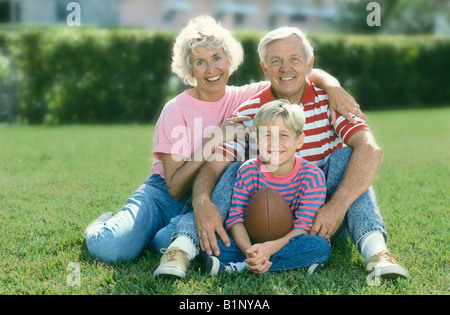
304,189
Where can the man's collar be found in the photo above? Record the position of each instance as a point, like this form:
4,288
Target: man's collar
308,95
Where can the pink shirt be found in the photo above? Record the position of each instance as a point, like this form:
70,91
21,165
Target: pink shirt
185,121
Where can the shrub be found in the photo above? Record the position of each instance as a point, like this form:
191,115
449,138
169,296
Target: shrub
250,70
385,72
83,75
93,76
5,76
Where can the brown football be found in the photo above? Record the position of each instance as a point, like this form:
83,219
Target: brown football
268,216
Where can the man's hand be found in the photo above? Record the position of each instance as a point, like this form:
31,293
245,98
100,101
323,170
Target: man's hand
208,221
327,220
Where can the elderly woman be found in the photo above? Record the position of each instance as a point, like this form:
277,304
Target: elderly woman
190,127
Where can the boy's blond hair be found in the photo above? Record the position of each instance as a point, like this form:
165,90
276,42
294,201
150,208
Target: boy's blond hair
292,114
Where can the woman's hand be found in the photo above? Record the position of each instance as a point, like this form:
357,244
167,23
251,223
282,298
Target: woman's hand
231,129
342,102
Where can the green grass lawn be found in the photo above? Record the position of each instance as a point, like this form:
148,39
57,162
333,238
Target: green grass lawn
55,180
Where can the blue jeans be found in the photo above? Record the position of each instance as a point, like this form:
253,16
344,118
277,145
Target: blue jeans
362,217
302,251
122,237
184,225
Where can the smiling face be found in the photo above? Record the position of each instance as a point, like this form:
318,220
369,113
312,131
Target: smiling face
211,69
277,146
286,67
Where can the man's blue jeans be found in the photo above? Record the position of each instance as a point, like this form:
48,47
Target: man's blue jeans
362,217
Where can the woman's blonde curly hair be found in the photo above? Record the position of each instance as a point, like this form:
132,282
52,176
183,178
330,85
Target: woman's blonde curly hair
203,31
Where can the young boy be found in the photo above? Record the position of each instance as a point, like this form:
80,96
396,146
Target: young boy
280,134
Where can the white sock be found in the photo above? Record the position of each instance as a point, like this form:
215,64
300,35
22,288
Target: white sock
185,243
372,244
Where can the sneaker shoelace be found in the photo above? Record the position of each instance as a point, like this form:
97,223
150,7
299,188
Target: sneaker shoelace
231,267
171,253
386,256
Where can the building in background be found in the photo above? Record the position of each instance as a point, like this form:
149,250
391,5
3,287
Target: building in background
173,14
348,16
248,14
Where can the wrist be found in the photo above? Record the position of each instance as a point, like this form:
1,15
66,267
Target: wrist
206,149
340,202
271,248
201,201
214,139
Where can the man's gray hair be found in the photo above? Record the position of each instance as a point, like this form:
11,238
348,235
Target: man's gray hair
203,31
283,33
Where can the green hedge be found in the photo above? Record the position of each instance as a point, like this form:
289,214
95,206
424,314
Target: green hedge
92,76
5,77
82,75
384,72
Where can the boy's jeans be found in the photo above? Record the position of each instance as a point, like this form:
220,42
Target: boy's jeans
302,251
362,217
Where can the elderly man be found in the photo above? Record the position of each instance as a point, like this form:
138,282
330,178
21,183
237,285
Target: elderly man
347,153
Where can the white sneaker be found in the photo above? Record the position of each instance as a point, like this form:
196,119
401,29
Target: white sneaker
174,262
314,268
386,266
214,266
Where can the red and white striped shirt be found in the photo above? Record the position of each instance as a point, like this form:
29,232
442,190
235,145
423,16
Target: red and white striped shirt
321,138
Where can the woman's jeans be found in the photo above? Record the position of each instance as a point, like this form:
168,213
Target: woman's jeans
122,237
362,217
184,225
